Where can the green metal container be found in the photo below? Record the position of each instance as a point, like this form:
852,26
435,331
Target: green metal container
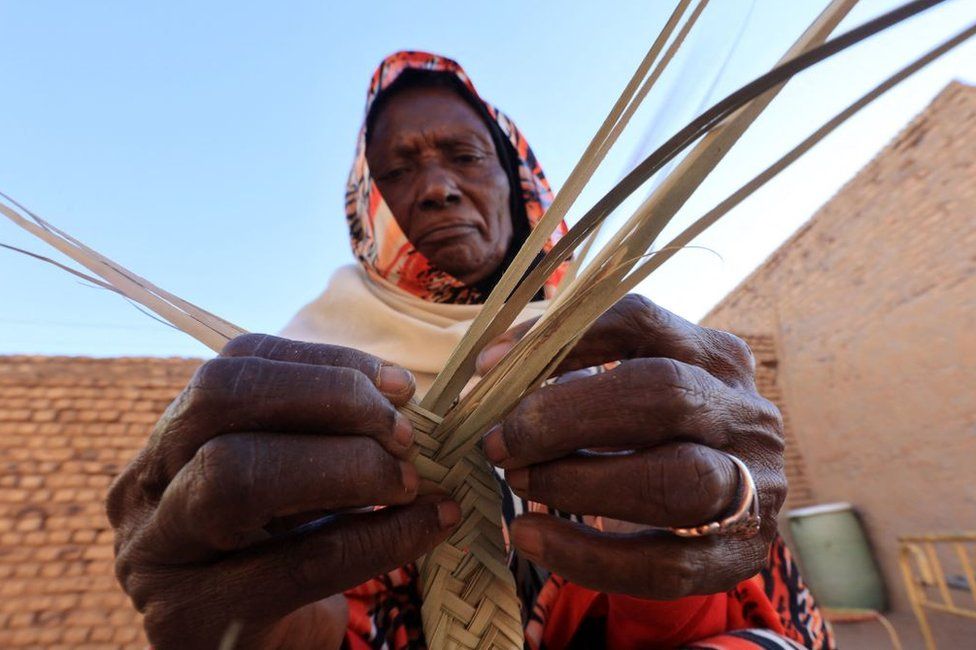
836,558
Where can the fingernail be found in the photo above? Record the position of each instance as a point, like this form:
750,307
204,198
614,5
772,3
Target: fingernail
527,539
494,445
403,430
448,514
518,479
490,356
409,477
395,380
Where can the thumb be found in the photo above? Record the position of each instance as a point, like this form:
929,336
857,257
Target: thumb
497,348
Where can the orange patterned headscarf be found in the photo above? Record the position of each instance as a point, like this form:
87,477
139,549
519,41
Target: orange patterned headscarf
377,240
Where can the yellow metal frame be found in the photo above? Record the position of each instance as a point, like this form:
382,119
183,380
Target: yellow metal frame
921,570
857,615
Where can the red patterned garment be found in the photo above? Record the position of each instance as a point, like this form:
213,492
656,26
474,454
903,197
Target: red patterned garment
772,610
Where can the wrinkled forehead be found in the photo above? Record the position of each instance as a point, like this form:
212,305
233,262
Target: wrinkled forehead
426,115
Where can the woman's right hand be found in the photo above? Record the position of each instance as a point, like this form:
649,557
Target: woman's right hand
212,517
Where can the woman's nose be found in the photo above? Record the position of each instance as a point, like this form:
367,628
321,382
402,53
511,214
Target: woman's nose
437,190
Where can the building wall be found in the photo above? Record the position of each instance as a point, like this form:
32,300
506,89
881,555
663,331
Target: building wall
873,308
67,426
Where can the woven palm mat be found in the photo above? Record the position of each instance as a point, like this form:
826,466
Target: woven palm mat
469,598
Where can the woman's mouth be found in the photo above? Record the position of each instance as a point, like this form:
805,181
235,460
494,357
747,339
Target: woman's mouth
443,233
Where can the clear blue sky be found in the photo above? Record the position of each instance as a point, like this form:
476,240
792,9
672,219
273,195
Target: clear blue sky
206,144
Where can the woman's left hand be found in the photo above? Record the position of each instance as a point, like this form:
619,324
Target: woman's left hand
683,398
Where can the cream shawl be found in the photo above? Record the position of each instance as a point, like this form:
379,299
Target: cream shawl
360,311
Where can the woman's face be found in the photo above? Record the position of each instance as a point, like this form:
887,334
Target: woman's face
434,162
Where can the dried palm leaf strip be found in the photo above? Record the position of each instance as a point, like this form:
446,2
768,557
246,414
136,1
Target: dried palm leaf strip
667,199
579,256
458,372
687,235
207,328
609,292
621,112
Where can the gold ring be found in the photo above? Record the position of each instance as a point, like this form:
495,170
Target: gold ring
743,522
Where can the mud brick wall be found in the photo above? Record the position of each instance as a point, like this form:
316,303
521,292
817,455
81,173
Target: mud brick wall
67,426
872,305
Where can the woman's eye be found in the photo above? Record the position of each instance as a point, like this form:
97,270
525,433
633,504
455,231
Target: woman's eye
393,174
467,158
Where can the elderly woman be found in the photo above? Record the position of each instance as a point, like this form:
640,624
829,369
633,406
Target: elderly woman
243,517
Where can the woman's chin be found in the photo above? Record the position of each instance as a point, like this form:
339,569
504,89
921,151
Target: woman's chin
458,260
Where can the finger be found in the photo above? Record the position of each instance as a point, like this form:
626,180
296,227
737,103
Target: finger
235,484
358,547
650,564
635,327
498,347
641,403
230,395
267,582
679,485
396,383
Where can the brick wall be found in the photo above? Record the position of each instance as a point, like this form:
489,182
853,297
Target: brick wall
67,425
873,307
767,381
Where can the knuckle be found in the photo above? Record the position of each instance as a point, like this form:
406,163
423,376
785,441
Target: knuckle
714,482
546,481
727,355
754,558
519,428
141,589
220,375
225,469
359,396
160,618
245,345
360,387
737,351
389,549
338,355
307,572
683,574
123,568
770,416
206,386
673,382
650,486
635,304
118,497
364,466
760,427
727,582
772,494
637,313
216,387
222,488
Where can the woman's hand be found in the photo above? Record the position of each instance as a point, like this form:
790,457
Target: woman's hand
270,436
683,397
